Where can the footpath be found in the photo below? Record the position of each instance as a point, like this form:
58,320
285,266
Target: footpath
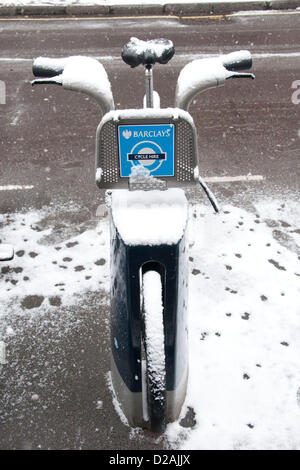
127,8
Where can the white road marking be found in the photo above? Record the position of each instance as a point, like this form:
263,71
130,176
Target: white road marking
14,187
266,55
262,55
257,56
264,12
14,59
232,179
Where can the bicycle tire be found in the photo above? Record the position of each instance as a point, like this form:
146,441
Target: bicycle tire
154,348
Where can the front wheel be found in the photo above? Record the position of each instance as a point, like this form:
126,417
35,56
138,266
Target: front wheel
154,350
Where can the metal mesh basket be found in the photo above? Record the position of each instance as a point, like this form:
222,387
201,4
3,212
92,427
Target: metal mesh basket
108,157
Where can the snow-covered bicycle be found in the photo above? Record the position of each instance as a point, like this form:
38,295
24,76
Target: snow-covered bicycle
145,159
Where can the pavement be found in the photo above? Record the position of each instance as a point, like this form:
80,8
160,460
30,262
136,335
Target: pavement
147,9
54,387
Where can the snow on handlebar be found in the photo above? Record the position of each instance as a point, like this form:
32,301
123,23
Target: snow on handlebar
203,74
76,73
48,67
6,252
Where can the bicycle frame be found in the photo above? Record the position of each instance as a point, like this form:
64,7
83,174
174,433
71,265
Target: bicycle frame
143,150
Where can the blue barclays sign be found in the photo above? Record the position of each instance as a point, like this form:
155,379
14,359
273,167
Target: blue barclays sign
149,145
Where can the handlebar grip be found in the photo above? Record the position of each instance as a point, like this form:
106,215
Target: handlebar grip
76,73
239,60
46,67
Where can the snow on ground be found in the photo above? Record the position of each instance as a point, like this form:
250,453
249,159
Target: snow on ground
51,268
244,328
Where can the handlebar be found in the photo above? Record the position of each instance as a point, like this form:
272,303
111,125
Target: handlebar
203,74
239,60
46,67
88,76
76,73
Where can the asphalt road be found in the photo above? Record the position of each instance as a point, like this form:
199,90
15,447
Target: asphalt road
47,142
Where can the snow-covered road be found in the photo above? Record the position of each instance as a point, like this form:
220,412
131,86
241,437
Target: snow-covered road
243,313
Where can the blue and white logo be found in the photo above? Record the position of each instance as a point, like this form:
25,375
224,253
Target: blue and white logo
149,145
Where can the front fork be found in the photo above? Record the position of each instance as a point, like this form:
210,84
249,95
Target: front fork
126,265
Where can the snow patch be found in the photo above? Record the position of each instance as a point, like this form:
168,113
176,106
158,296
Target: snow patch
244,376
243,329
147,113
150,217
49,268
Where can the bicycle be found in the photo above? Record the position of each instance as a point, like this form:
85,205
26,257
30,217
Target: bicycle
145,158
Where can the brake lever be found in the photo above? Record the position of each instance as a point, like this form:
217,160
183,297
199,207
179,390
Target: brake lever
45,81
241,75
209,194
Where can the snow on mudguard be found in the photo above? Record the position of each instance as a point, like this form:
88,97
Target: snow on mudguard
151,146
